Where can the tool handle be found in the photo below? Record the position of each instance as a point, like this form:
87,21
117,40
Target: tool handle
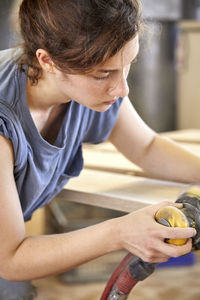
171,216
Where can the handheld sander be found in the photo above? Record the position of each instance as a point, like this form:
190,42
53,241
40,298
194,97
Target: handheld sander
133,269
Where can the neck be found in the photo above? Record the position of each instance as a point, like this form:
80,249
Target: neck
45,95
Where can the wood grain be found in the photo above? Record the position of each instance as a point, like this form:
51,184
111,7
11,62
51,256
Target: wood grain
120,192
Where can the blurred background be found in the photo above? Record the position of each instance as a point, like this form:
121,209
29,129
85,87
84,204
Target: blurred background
164,82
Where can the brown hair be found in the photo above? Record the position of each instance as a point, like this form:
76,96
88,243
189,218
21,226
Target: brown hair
77,34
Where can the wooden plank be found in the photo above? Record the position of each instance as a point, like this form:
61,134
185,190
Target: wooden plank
191,135
100,158
119,192
193,147
105,157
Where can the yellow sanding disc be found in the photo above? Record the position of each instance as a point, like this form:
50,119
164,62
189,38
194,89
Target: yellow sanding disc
176,218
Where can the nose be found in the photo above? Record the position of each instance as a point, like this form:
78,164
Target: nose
120,89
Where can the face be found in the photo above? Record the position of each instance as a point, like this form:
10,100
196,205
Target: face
99,89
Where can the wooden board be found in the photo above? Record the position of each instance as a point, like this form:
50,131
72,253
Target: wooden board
105,157
184,135
120,192
193,147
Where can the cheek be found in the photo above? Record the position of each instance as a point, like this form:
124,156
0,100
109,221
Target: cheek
98,87
88,88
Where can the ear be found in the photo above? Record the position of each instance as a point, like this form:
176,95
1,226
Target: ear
45,60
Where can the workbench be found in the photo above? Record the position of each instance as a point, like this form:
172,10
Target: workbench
111,181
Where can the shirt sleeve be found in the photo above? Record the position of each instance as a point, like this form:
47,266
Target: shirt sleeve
100,124
10,127
5,128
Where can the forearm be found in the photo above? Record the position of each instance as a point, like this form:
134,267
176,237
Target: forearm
43,256
166,159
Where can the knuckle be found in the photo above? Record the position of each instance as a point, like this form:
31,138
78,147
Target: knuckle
166,203
149,260
149,244
149,255
151,232
165,259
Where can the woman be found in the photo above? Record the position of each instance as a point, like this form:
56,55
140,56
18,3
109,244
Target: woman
65,86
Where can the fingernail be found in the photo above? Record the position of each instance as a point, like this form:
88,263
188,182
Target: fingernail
194,232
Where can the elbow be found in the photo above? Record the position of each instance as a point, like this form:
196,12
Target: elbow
7,273
11,264
10,275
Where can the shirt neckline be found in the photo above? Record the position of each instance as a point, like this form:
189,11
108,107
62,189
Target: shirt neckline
60,140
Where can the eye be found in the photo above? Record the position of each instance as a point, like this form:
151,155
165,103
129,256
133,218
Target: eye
102,77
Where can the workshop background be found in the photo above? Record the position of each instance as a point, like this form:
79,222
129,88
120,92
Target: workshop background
165,90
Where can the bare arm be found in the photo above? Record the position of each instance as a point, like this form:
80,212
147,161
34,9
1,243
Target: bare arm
22,257
157,155
25,258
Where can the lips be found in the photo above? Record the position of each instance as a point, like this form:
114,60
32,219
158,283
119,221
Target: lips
110,102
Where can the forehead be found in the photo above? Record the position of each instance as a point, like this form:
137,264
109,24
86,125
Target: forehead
124,57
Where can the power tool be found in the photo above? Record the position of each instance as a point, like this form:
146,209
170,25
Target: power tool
133,269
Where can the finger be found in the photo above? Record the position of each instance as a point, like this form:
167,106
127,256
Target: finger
154,208
177,232
173,250
177,205
157,260
151,257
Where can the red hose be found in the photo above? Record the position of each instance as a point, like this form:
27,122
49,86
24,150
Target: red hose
131,270
122,282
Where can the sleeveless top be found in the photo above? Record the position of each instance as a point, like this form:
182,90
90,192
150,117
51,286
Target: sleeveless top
42,169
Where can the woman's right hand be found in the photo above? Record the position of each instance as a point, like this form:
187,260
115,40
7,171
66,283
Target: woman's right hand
140,234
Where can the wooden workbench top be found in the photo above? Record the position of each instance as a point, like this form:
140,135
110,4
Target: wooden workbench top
105,157
119,192
191,135
109,180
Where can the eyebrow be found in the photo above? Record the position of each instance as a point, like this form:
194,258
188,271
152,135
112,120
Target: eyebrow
114,70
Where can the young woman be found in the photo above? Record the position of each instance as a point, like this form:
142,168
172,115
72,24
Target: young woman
67,85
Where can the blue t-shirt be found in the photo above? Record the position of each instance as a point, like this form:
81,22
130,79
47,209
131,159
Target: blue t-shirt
42,169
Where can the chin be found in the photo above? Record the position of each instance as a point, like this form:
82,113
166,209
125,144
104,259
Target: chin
101,108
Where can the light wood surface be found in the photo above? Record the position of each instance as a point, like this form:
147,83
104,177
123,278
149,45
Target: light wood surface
120,192
105,157
193,147
191,135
